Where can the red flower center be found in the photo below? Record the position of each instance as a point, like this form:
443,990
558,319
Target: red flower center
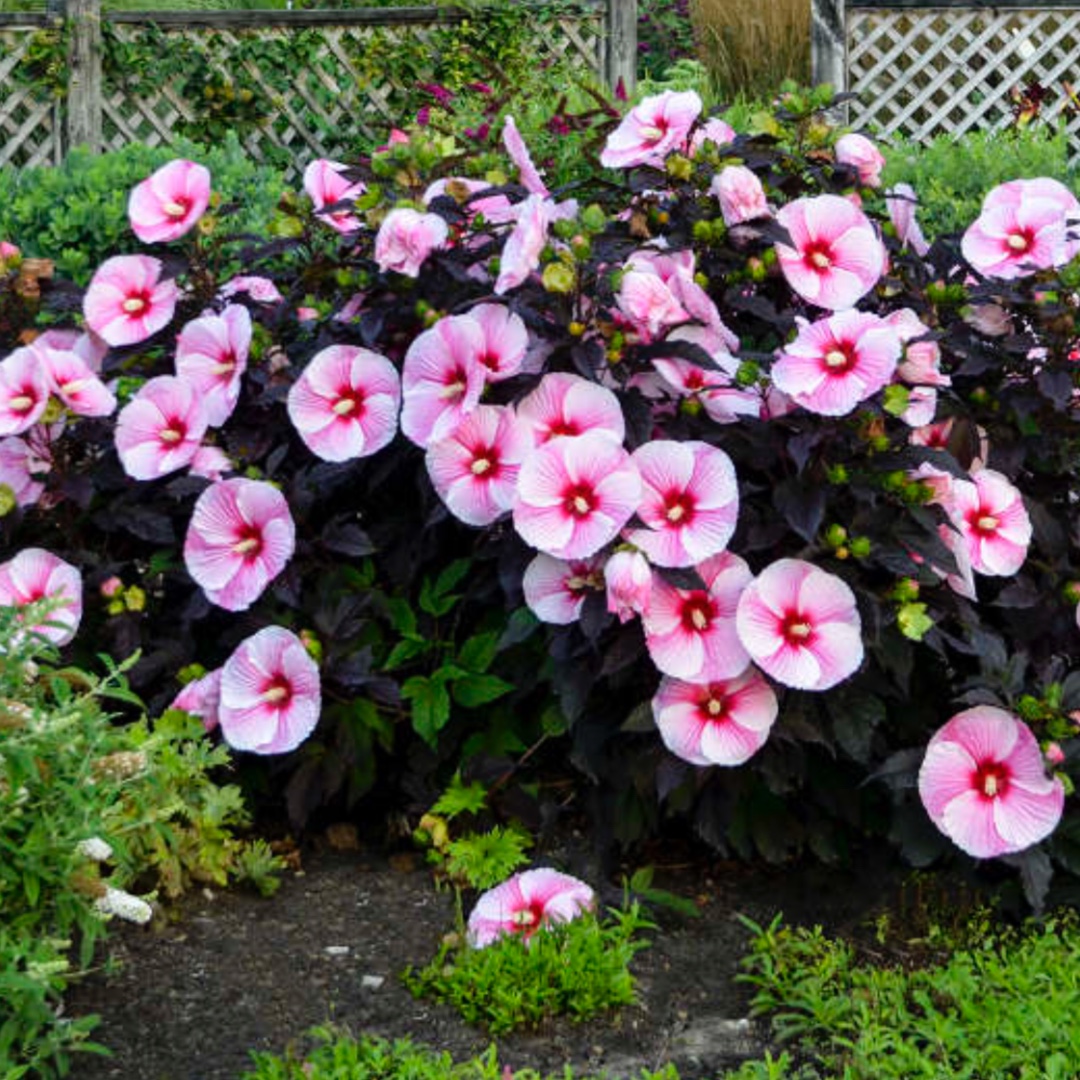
277,692
485,463
249,543
1020,242
490,361
136,303
990,779
563,426
527,919
24,401
679,508
818,256
796,629
840,358
580,500
455,384
349,404
173,432
698,612
176,208
982,522
714,706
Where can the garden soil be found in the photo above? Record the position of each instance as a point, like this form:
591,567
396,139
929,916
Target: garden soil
227,972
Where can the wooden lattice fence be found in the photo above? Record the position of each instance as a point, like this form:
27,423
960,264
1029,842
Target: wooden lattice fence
922,69
293,84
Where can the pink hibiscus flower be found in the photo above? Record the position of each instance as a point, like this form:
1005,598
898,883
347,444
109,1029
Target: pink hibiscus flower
506,341
168,203
628,582
837,257
74,383
345,403
837,362
984,784
858,151
690,633
741,196
723,722
24,391
1023,227
723,401
126,302
160,429
921,361
989,514
800,625
406,238
35,574
565,404
261,289
651,130
210,462
212,354
475,470
528,238
270,693
575,494
325,186
18,467
442,378
714,130
524,903
201,698
240,537
900,201
689,502
519,155
555,589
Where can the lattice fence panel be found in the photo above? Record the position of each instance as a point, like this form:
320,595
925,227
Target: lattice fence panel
926,72
29,132
298,93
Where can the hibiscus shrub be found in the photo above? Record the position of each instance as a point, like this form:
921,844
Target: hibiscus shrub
787,485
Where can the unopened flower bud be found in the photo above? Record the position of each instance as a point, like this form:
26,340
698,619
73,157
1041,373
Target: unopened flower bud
111,586
1054,754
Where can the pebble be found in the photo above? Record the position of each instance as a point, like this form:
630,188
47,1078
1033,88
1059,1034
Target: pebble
372,982
337,950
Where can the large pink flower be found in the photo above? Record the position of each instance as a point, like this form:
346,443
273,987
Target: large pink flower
800,625
35,574
838,362
521,252
837,257
24,391
475,470
240,537
168,203
690,633
1023,227
741,196
555,589
442,378
127,302
74,383
565,404
989,514
345,403
526,902
689,503
506,340
325,186
984,784
406,238
575,494
212,354
160,429
723,722
651,130
270,693
201,698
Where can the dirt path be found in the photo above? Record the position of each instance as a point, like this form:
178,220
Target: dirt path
234,972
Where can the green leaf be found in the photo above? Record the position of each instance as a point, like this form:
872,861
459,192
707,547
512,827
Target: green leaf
436,598
478,652
430,706
474,690
451,576
402,617
460,798
404,651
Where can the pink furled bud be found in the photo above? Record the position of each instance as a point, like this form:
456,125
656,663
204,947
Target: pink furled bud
111,586
629,583
406,238
741,195
860,152
1054,754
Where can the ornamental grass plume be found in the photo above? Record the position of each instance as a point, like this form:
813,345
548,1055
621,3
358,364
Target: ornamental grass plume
984,784
241,536
168,203
345,403
526,903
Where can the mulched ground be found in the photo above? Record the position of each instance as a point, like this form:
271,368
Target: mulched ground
229,972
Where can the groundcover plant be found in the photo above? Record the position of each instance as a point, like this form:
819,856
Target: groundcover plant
713,445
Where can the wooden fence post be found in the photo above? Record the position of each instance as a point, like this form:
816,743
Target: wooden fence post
828,43
620,61
84,74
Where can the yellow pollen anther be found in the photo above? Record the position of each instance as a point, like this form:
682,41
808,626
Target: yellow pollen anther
800,631
170,435
835,359
990,785
699,619
275,694
174,209
133,305
523,918
581,504
577,583
675,513
21,403
651,133
988,523
344,406
242,547
452,390
821,260
480,466
1017,242
714,708
223,368
75,386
